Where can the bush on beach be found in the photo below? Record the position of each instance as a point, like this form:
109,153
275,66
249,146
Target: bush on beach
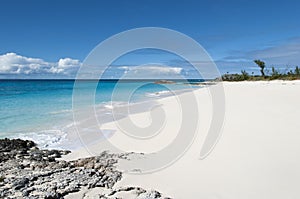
265,74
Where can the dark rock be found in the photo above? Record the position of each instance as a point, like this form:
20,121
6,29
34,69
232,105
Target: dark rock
21,183
15,144
53,195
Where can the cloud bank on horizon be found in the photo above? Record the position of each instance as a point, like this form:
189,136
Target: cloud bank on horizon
280,55
14,65
17,66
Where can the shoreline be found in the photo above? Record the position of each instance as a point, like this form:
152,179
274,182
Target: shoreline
52,138
165,99
260,129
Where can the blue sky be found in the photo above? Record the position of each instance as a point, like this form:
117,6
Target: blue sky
51,38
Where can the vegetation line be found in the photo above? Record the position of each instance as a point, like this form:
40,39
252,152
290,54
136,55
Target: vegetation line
265,75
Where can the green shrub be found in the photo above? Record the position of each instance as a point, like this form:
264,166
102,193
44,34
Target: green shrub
245,75
275,74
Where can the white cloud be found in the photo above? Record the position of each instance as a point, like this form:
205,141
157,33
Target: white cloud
68,62
13,64
161,70
151,71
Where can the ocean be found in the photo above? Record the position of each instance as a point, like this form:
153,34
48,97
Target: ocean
41,110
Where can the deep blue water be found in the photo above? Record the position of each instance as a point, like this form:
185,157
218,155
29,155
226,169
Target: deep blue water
40,106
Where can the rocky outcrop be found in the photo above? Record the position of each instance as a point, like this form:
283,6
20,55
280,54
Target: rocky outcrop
164,82
29,172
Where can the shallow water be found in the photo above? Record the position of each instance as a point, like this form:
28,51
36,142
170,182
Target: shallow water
41,110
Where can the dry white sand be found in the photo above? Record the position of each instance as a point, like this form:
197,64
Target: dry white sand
257,156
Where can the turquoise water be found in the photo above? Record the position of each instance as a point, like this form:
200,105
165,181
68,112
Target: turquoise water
40,109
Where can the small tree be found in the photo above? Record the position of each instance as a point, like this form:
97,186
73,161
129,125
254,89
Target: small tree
262,66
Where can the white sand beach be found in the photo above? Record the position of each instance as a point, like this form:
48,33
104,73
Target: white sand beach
257,155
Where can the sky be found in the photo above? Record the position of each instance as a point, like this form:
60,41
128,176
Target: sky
51,39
